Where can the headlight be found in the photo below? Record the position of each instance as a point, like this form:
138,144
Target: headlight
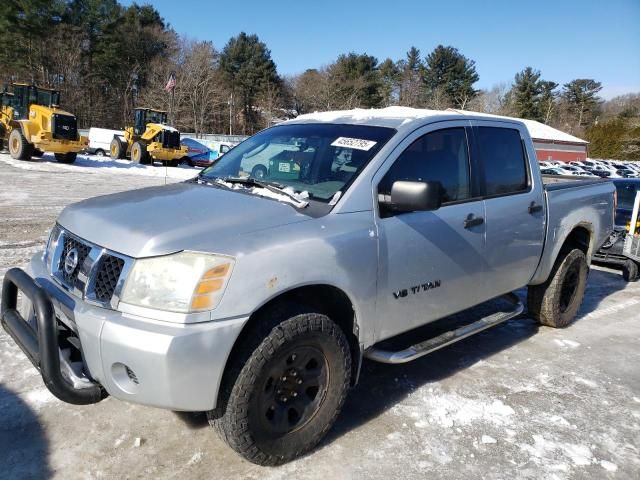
183,282
52,244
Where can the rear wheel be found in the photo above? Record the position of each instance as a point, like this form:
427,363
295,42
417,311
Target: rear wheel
66,157
186,161
19,148
139,153
555,303
287,389
630,271
117,149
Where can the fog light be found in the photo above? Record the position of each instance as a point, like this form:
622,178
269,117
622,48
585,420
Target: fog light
124,377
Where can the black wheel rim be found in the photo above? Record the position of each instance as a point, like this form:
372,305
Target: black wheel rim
569,287
292,390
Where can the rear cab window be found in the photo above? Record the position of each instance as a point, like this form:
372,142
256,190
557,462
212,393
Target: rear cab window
503,161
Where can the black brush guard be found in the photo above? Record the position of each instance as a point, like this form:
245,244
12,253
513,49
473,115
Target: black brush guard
41,345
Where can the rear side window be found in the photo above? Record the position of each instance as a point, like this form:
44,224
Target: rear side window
439,156
503,160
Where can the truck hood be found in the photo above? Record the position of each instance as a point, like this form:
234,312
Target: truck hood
166,219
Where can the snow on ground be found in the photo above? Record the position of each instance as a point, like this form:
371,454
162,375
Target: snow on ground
517,401
103,165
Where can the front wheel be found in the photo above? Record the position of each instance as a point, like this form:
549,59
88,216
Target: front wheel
289,391
555,303
139,153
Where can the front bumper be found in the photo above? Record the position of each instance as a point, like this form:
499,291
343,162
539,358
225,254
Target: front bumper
160,153
47,143
41,344
162,364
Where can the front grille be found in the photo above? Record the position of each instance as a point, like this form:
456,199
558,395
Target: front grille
64,127
96,272
82,249
170,139
107,277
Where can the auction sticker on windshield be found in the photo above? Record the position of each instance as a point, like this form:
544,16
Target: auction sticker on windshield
356,143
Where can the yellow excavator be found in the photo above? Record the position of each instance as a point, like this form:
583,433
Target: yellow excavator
32,123
149,139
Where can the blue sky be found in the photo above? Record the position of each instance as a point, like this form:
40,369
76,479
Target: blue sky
565,39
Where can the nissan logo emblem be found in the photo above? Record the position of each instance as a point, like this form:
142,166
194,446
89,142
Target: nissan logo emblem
71,261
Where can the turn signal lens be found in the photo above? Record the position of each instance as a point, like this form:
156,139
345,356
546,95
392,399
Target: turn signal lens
206,296
219,271
208,286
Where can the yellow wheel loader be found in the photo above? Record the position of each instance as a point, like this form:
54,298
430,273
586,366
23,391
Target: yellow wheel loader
6,115
32,123
149,140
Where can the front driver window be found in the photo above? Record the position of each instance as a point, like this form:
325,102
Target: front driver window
440,156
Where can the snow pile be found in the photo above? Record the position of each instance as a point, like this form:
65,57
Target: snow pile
101,165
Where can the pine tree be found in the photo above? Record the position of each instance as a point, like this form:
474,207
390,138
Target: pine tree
355,81
449,72
411,88
249,72
390,76
548,97
526,94
582,99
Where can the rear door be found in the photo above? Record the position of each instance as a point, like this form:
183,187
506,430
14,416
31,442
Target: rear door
514,203
431,263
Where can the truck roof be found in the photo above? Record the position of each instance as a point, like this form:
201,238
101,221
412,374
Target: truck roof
394,117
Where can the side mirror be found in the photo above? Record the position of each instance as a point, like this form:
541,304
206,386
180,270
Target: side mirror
416,196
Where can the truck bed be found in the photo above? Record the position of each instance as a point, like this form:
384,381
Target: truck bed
570,202
558,182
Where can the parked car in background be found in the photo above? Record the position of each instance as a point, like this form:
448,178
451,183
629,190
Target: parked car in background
100,140
626,172
201,154
555,171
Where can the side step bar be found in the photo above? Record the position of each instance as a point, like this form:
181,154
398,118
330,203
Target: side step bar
436,343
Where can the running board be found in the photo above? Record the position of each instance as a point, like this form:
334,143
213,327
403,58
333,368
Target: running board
447,338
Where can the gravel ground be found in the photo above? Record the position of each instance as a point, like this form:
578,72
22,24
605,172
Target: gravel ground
517,401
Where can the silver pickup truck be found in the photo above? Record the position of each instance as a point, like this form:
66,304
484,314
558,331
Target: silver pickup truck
260,306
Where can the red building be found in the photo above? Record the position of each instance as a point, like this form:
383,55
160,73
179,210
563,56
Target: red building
553,144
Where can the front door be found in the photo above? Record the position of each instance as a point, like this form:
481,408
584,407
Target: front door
431,263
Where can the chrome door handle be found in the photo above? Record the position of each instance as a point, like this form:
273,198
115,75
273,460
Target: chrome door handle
472,221
534,208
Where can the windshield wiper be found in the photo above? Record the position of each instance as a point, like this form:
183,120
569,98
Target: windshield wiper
272,187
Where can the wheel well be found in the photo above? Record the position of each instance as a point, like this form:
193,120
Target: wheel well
579,238
325,299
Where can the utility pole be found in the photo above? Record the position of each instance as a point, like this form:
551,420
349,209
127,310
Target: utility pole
231,114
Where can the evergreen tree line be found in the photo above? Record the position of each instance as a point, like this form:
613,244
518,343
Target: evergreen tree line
106,58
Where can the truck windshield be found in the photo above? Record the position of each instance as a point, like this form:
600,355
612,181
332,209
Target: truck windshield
320,159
